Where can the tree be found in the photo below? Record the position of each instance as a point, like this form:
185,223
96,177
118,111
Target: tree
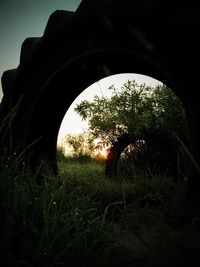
82,144
143,116
136,110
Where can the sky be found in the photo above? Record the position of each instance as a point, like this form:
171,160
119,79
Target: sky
72,122
20,19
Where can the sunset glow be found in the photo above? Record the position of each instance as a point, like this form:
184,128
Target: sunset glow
103,153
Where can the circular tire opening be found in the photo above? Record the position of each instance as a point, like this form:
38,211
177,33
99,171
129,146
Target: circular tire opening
143,136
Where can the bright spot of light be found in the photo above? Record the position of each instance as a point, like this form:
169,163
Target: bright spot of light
103,153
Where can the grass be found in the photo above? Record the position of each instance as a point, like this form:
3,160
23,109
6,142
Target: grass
81,218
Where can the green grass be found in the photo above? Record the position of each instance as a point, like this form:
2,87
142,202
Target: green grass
82,218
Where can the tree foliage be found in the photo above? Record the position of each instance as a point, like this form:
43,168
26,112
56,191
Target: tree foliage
82,144
134,109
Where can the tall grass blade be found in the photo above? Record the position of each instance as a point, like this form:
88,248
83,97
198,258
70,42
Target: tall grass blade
186,150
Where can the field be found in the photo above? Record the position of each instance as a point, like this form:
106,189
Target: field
82,218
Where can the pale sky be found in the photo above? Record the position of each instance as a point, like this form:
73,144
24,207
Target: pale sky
72,122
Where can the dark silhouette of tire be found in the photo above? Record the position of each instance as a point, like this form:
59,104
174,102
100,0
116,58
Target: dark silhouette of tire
154,38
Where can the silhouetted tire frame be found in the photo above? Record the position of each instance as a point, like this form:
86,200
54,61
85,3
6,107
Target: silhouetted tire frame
57,67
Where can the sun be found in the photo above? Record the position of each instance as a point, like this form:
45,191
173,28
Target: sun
103,153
